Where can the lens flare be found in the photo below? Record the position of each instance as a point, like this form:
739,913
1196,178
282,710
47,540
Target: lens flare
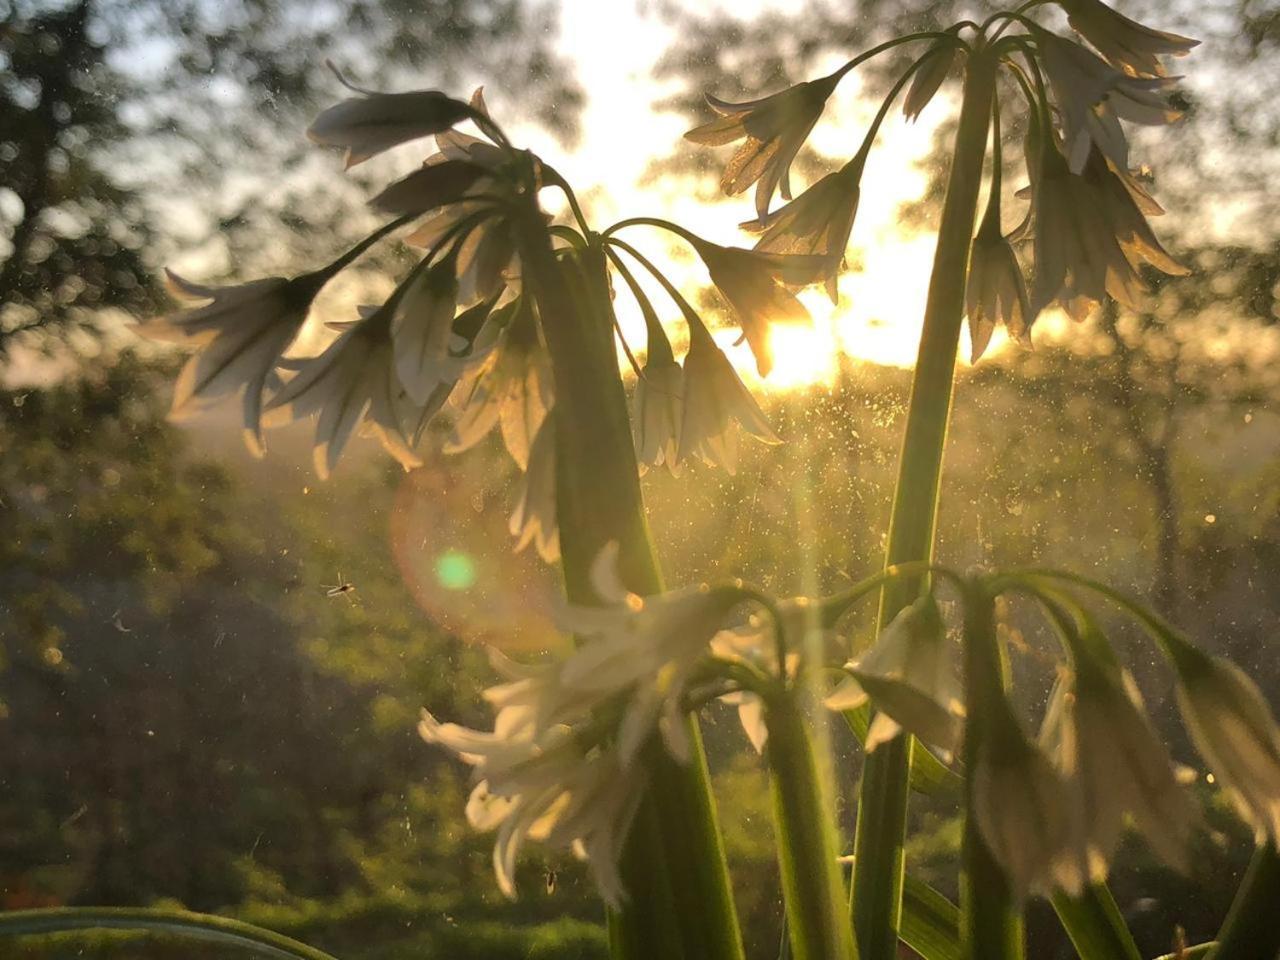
455,570
451,545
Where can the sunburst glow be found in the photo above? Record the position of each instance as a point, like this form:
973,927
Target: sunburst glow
882,294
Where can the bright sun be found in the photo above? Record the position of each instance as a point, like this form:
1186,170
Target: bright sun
882,294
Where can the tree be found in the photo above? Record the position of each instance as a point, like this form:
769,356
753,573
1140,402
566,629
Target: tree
127,124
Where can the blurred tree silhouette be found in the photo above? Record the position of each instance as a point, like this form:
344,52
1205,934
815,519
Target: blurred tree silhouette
75,235
128,122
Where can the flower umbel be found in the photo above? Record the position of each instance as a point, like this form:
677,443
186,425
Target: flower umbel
754,643
649,647
438,182
996,293
372,122
534,520
658,412
351,382
559,786
938,61
511,389
1090,236
755,284
1024,811
1093,98
422,331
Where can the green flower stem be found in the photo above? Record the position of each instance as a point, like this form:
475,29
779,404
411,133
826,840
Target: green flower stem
990,921
808,852
882,808
598,500
1251,931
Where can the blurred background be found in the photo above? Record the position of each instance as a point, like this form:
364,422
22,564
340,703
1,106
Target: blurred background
185,717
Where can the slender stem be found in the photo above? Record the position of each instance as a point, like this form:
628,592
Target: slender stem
990,922
892,95
837,603
554,178
991,219
1250,931
878,845
696,326
598,499
890,44
1010,17
1201,951
1173,644
812,889
657,346
658,222
350,256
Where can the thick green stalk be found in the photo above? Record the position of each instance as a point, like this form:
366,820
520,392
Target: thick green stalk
1250,931
598,500
647,927
990,921
812,889
882,807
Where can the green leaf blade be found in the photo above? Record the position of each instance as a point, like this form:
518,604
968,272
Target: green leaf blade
173,923
930,923
1095,926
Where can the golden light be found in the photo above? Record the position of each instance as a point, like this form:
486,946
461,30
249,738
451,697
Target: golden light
804,355
882,294
882,298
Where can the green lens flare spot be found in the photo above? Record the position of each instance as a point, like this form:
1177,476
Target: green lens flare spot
455,570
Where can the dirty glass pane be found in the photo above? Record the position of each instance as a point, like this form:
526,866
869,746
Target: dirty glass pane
215,644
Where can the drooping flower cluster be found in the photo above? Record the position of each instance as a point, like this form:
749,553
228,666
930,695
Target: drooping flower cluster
1051,810
562,764
696,410
1052,813
460,333
1087,219
545,773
